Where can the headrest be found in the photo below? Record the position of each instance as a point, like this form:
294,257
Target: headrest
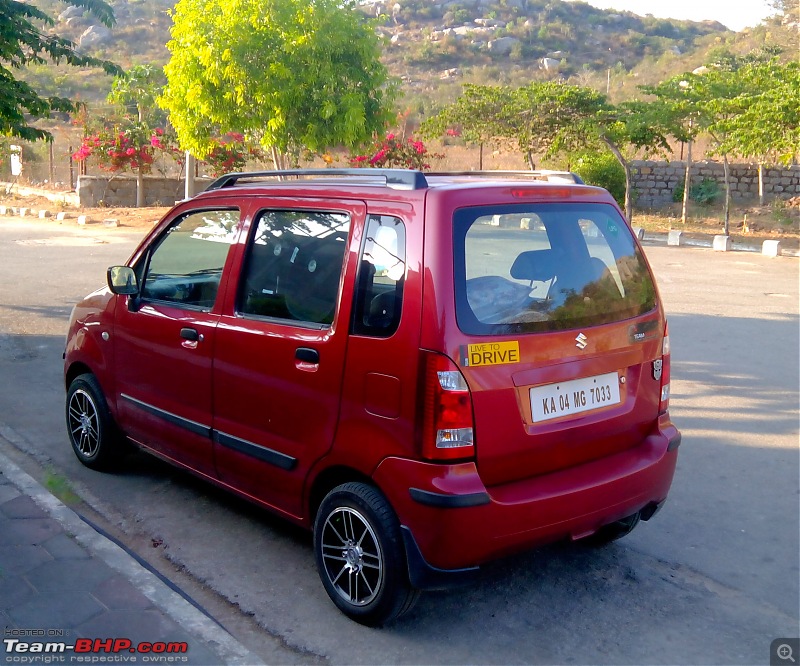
537,265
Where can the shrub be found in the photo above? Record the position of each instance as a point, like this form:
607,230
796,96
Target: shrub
704,193
602,170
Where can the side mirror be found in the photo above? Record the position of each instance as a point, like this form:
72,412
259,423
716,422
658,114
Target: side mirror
122,281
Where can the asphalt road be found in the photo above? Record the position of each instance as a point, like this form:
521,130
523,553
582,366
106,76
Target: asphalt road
712,579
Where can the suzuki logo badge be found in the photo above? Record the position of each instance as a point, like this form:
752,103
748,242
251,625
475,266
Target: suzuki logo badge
581,341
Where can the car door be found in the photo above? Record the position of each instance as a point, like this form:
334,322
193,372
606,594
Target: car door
164,337
280,353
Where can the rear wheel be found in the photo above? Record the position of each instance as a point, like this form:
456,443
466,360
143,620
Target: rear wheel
91,428
359,553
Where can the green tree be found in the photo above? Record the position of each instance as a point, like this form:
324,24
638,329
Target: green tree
548,118
676,105
765,121
291,74
23,42
138,88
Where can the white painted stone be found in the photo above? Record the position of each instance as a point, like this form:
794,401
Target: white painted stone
43,214
639,231
771,248
61,216
83,219
722,243
110,222
675,238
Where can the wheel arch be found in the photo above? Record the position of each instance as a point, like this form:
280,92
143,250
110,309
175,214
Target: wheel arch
327,480
75,370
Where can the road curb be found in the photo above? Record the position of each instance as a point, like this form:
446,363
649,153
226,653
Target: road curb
190,618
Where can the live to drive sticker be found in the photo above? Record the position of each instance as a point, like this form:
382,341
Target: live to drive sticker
491,353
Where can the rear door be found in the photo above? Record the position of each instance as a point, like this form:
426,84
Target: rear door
562,328
280,354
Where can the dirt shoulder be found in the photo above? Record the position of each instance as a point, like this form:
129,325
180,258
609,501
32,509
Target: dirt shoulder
136,218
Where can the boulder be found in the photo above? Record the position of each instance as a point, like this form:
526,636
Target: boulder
503,45
94,36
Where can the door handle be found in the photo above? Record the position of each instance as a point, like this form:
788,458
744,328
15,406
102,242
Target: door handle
307,355
190,334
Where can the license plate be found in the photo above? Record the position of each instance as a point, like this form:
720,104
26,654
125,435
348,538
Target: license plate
574,396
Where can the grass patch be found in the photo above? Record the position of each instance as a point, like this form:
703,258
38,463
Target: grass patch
60,486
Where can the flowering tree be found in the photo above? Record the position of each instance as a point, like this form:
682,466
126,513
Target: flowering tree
394,151
118,149
231,153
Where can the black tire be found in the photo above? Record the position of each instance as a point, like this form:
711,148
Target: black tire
92,432
360,557
614,531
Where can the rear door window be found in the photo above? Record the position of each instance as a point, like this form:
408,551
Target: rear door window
544,267
294,266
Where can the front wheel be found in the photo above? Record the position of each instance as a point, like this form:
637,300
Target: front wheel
359,553
91,428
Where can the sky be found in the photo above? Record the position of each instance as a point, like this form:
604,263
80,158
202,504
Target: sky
734,14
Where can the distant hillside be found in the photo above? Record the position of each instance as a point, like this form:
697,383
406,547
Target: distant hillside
434,46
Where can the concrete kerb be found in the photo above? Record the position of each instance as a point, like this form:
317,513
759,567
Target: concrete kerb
769,248
170,602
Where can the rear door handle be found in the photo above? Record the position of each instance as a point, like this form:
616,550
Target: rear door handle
190,334
307,355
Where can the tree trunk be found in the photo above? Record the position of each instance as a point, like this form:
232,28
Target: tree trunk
627,169
687,182
277,159
531,163
139,189
726,171
760,184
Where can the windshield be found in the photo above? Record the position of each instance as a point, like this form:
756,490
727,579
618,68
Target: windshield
543,267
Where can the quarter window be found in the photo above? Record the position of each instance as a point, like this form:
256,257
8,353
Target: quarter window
186,265
381,275
294,266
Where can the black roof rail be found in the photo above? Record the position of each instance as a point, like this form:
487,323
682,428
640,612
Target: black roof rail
397,178
539,174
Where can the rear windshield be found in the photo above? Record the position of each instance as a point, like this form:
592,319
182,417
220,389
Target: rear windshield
545,267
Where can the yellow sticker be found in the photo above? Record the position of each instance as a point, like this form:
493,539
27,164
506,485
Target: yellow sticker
492,353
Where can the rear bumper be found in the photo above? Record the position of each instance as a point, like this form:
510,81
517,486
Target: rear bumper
457,523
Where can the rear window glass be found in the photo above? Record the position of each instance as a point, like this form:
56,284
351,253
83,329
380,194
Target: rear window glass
545,267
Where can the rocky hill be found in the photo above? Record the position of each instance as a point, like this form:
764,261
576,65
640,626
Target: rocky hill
434,45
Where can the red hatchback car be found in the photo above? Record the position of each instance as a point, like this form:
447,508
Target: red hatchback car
428,370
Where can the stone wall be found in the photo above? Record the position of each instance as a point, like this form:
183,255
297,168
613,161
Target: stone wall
654,182
121,191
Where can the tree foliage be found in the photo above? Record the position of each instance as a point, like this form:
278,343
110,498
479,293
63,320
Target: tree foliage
293,74
548,118
23,42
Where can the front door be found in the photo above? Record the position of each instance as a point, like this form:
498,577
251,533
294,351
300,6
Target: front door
280,354
164,338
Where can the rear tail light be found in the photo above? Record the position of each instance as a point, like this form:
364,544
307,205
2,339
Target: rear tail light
447,422
663,404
